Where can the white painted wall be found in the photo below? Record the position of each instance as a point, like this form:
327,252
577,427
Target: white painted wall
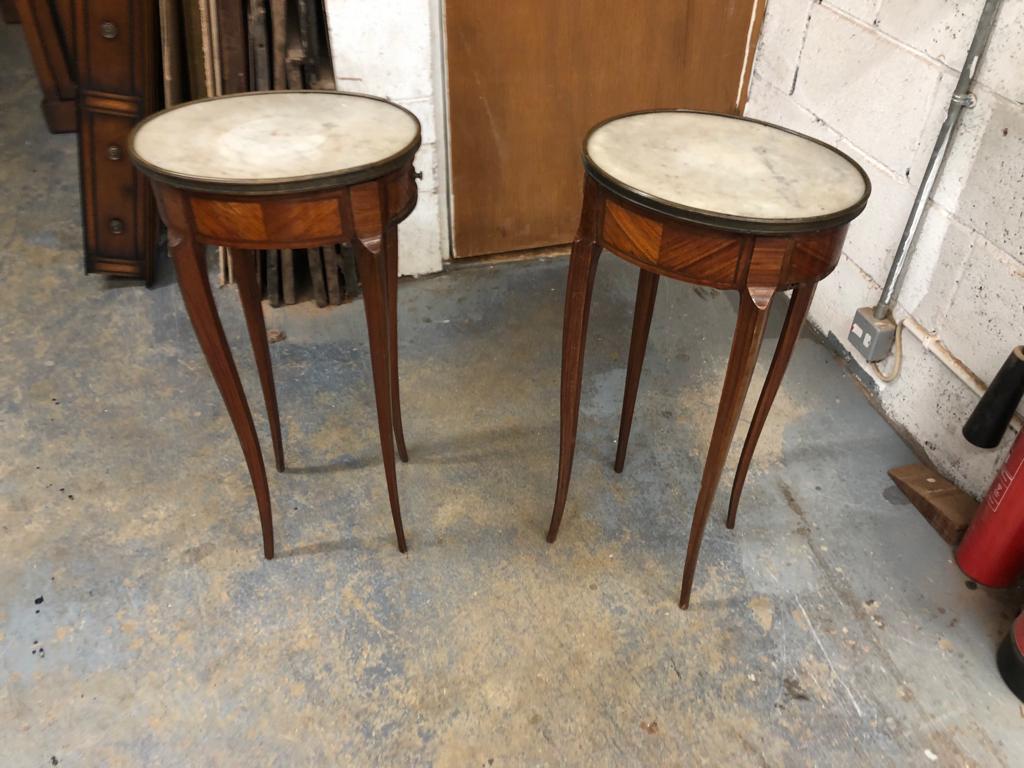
393,48
874,77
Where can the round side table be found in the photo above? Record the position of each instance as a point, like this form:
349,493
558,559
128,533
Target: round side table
295,169
715,200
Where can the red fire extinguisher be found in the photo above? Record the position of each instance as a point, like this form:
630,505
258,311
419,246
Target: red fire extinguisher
992,550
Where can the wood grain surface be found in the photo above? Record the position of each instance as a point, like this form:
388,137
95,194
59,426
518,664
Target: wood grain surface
528,79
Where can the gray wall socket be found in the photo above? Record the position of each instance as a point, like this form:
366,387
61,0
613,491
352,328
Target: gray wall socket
871,337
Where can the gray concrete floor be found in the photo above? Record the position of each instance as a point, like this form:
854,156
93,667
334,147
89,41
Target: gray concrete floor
139,624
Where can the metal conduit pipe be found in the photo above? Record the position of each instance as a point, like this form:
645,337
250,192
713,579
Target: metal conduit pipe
873,331
962,97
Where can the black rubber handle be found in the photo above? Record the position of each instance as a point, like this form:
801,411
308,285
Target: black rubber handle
992,414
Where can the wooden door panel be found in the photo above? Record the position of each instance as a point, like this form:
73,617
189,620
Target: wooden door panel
527,80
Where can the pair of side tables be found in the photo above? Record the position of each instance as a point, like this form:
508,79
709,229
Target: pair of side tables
715,200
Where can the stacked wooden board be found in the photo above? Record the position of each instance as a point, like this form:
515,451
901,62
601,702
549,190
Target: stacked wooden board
215,47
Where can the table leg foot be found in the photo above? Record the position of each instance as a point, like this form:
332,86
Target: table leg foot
372,275
243,264
190,263
646,292
795,315
579,289
745,345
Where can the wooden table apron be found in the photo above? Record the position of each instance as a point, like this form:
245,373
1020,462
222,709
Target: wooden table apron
758,266
364,214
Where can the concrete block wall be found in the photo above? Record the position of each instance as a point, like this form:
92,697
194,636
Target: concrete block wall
393,48
874,78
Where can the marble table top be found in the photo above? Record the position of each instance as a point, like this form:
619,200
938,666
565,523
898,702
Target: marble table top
725,167
284,138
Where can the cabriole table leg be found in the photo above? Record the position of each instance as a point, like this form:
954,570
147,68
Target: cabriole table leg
646,293
578,291
190,263
799,303
372,275
746,342
244,267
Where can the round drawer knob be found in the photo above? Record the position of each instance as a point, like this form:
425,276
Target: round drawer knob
108,29
117,226
114,152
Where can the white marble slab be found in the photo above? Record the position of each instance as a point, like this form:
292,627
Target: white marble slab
274,137
725,166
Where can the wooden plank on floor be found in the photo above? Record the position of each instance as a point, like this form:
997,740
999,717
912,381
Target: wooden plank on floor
946,507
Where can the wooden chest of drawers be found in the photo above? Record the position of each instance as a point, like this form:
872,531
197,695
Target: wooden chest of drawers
116,52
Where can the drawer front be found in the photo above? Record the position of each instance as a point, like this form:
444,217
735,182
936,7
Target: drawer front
112,191
117,53
109,46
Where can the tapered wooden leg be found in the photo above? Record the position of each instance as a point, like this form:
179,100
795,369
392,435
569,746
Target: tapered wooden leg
579,288
391,288
799,303
745,344
372,275
646,292
243,264
190,263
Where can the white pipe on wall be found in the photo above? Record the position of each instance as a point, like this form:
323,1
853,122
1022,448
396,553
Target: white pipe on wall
933,345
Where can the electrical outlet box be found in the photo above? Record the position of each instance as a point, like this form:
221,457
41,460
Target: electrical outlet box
871,337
